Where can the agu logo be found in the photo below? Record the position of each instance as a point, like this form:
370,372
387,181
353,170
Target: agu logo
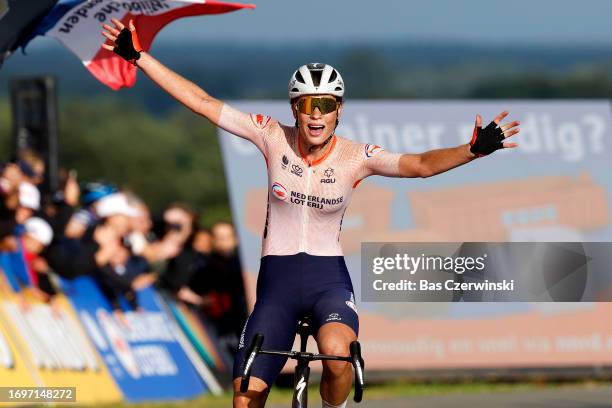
279,191
371,150
329,172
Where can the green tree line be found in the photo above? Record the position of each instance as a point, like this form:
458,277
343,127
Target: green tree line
175,157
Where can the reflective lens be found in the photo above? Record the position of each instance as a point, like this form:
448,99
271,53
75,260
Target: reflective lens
307,104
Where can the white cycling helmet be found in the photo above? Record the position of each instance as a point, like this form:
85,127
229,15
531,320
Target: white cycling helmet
316,78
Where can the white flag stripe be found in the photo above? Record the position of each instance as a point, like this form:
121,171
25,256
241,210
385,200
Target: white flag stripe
80,29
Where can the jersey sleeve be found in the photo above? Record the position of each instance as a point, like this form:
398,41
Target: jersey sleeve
377,161
252,127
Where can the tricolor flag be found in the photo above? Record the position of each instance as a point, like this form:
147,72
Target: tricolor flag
77,24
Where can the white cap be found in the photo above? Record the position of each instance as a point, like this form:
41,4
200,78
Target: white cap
115,204
39,229
29,196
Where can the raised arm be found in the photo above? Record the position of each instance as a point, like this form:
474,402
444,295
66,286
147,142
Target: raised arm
434,162
126,44
484,142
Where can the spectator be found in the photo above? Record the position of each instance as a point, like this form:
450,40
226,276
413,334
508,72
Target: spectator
202,242
117,212
221,283
143,240
201,247
64,203
179,227
226,262
29,202
32,165
117,271
10,178
180,222
104,240
8,242
87,216
71,257
36,237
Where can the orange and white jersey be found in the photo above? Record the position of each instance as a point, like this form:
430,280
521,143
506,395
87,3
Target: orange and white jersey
307,201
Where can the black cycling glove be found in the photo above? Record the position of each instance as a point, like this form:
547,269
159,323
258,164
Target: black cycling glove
486,141
127,45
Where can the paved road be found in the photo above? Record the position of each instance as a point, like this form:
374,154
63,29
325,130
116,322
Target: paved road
562,397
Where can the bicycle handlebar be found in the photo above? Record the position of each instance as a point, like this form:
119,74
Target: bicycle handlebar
355,359
296,355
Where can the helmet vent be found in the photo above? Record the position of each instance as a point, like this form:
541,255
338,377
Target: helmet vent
316,77
333,76
295,90
337,88
299,77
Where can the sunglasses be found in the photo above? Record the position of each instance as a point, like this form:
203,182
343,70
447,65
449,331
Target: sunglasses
326,104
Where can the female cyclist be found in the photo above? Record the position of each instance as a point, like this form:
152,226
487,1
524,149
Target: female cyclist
311,175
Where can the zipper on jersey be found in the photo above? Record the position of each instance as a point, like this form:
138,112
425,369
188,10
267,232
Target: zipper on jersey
305,211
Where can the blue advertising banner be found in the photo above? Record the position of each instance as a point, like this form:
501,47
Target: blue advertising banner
140,348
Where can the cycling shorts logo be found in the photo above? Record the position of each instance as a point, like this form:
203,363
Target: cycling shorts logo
371,150
259,120
328,173
285,162
241,342
351,303
297,170
333,317
279,191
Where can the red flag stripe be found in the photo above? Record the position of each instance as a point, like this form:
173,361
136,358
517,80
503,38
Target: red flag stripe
113,71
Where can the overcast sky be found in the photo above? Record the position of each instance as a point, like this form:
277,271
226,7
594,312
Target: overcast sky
484,21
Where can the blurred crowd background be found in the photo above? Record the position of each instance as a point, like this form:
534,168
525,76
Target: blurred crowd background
99,230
